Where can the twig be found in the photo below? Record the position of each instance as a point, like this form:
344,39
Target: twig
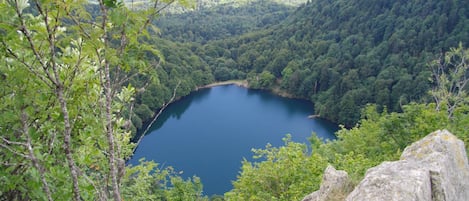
34,159
13,151
157,115
13,142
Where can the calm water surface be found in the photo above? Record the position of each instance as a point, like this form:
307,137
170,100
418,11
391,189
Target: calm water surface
209,132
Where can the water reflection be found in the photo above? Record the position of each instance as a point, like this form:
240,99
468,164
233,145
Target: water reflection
177,109
209,132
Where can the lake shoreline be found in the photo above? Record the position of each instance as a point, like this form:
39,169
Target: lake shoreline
222,124
245,84
239,83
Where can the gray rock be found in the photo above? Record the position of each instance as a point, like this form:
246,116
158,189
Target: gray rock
434,168
394,181
334,186
444,156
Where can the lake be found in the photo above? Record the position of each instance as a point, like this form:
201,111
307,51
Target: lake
209,132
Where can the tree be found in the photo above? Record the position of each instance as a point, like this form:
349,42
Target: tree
266,79
379,136
148,181
64,69
450,77
285,173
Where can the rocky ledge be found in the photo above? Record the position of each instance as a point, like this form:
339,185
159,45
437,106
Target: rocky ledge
432,169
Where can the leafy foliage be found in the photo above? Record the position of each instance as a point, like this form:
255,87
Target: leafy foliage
176,66
379,136
66,96
284,174
290,173
451,76
341,55
238,3
210,22
344,54
74,75
148,182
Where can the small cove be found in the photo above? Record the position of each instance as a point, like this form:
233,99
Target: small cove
209,132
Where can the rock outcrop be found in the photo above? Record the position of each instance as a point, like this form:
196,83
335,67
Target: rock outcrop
435,168
444,156
394,181
334,186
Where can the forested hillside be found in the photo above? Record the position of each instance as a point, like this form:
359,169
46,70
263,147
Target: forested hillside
77,80
193,6
292,171
179,66
221,22
175,70
345,54
201,4
341,55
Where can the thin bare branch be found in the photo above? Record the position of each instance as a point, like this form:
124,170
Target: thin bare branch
76,66
12,142
27,33
157,115
34,159
28,66
101,195
13,164
153,14
450,74
78,22
14,151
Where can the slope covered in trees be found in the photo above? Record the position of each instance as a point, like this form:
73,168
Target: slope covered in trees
177,70
221,22
344,54
71,81
179,63
290,172
194,6
201,4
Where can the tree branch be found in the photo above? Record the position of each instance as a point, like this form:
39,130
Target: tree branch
108,107
59,90
35,161
28,66
153,14
13,151
157,115
26,32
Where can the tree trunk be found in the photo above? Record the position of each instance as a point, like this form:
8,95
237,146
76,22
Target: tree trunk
110,135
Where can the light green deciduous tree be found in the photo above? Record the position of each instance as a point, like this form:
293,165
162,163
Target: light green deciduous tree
63,93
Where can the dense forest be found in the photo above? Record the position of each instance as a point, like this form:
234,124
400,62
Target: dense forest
221,22
324,51
344,54
183,66
79,80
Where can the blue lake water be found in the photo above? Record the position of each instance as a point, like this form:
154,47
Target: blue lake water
209,132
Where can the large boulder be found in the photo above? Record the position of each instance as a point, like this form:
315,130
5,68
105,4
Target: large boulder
444,156
334,186
394,181
435,169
